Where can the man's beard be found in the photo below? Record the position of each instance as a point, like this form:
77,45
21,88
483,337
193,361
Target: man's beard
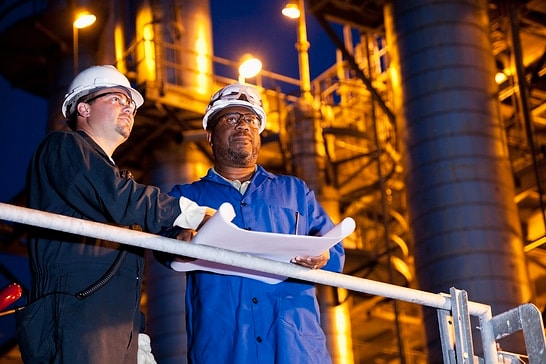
121,130
237,158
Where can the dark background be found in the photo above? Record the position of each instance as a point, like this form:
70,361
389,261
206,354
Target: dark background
240,27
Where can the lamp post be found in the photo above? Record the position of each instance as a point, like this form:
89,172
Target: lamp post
83,19
309,157
295,10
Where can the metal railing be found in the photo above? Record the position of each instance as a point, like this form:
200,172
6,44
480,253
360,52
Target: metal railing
456,340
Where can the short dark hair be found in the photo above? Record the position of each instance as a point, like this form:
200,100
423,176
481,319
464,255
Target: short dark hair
72,121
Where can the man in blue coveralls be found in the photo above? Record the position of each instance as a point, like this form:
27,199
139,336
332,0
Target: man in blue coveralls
231,319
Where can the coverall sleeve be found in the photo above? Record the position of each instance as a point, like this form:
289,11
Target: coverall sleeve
90,184
320,223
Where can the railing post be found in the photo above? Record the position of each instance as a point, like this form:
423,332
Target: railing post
528,319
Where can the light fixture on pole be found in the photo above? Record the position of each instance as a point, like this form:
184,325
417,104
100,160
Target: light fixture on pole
291,10
83,19
250,67
296,9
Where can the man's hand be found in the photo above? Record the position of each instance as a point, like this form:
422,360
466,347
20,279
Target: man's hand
313,262
184,235
208,214
188,234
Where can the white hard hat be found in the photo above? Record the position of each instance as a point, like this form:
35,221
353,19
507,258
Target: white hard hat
236,94
95,78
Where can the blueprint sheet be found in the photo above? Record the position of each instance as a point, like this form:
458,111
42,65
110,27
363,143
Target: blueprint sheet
220,232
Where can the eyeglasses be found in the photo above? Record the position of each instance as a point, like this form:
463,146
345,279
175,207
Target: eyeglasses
114,98
238,92
234,118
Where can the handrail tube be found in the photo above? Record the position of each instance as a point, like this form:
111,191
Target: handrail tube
27,216
97,230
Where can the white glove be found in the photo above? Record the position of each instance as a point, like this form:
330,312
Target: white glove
192,214
145,355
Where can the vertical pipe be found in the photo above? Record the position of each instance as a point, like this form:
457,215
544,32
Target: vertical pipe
75,49
309,159
169,164
183,40
384,221
464,220
303,55
510,9
183,57
335,303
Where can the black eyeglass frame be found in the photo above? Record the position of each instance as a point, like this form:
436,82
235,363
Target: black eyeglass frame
131,101
223,119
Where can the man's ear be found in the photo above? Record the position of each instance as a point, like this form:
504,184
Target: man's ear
83,109
209,137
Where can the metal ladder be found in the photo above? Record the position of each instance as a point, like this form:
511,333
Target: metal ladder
456,335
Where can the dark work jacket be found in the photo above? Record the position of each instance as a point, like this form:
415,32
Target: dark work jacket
71,175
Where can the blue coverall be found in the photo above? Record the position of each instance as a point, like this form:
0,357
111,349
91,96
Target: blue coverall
239,320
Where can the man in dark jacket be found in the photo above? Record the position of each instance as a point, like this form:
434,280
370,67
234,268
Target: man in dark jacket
68,319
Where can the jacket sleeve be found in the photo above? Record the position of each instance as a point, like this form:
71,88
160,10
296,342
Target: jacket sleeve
163,257
319,224
91,187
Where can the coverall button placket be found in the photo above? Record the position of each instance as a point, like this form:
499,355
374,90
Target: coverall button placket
258,329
